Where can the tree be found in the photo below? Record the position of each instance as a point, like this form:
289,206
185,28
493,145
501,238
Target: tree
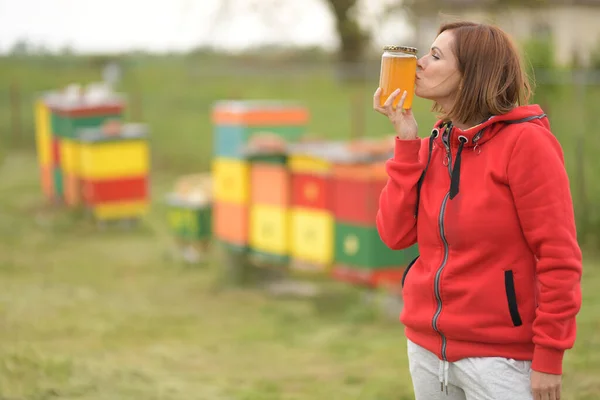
354,37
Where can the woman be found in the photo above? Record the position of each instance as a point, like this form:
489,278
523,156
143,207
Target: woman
490,303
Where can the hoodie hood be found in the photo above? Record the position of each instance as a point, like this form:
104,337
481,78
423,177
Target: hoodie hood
476,136
484,131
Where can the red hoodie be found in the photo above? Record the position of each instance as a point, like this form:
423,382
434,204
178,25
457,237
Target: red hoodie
499,267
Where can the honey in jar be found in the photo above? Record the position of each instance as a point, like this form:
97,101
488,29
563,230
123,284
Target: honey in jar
398,70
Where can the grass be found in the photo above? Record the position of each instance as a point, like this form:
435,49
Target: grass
104,315
89,314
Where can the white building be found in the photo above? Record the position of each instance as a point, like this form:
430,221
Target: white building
573,26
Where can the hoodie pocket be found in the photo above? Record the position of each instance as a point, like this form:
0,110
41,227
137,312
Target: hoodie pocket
408,267
511,297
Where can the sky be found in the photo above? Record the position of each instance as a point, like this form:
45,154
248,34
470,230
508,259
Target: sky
94,26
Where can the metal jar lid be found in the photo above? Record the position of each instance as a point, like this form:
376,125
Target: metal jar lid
404,49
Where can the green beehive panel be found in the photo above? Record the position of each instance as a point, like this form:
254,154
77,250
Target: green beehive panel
361,247
56,123
280,159
176,220
291,133
58,183
69,126
188,222
198,223
230,141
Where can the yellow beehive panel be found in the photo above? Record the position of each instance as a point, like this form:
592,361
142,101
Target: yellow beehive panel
231,180
307,163
269,229
121,210
42,133
113,159
312,236
69,156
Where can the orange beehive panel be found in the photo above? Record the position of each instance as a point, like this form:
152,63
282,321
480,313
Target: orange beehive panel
47,180
263,114
72,190
270,184
230,222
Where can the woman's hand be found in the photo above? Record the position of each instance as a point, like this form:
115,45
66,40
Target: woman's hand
545,386
403,120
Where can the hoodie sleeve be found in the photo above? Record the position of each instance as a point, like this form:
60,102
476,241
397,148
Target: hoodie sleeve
396,222
540,187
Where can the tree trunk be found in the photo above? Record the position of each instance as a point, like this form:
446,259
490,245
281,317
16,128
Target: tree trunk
353,38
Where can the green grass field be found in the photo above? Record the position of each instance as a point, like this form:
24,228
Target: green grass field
89,314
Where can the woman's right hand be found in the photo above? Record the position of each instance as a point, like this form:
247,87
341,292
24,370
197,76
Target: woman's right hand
403,120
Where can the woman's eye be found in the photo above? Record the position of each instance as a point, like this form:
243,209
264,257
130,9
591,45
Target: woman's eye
434,56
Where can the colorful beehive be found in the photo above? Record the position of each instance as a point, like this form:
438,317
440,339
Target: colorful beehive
59,116
311,219
113,166
45,154
269,227
189,221
189,207
236,221
231,193
189,215
360,255
236,122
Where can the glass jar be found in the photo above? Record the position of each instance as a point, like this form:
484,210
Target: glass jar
398,71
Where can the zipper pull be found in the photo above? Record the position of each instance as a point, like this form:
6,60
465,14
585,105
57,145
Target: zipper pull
476,148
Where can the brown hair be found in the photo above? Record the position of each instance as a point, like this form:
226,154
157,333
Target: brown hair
493,79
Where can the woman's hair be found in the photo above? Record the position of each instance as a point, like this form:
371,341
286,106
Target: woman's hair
493,79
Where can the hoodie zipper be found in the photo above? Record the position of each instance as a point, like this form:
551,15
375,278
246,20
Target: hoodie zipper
438,274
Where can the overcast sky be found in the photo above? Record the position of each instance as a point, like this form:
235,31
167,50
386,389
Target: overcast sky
158,25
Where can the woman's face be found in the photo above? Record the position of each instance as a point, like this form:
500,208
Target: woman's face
438,77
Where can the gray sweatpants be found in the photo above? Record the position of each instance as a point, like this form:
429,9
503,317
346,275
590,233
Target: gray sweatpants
487,378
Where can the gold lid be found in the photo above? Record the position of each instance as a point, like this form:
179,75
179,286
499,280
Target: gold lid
404,49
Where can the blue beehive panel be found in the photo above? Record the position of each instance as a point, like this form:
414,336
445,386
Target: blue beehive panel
229,141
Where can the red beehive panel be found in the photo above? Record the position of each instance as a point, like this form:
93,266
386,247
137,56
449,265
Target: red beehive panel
103,191
355,192
368,277
55,152
311,191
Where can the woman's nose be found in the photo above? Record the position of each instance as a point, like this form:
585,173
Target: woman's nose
420,63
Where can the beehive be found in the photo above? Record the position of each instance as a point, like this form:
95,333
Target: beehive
59,118
114,168
45,153
360,255
244,216
312,222
189,208
269,230
236,122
